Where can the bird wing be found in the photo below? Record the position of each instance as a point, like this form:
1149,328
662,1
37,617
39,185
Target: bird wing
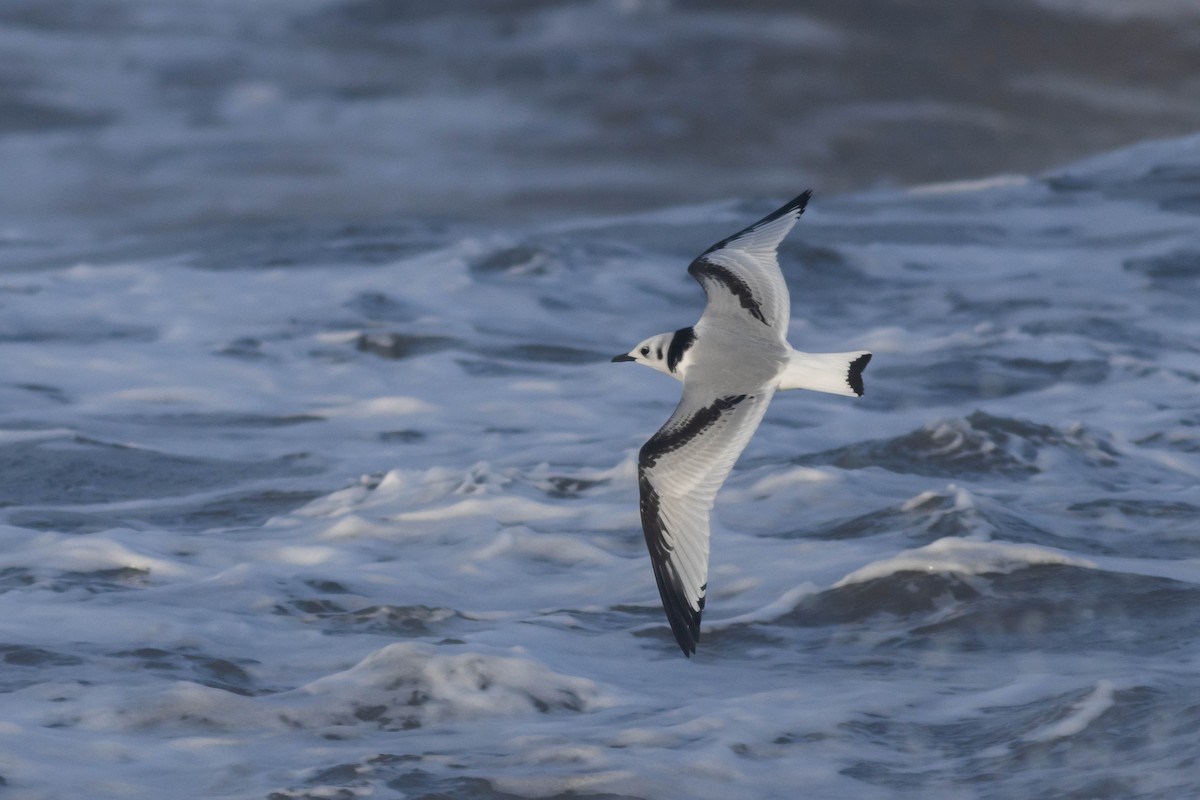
680,470
741,274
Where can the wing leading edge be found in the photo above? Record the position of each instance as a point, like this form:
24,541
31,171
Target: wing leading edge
680,470
741,276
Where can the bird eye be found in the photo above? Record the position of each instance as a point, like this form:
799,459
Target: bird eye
645,351
659,353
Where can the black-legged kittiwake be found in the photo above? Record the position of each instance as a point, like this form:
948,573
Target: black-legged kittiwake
731,363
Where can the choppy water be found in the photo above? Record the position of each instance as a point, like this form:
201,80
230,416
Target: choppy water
167,115
316,480
355,514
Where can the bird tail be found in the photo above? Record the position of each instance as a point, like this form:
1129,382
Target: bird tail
836,373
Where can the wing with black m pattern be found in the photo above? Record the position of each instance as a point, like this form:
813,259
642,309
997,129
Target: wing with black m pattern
679,472
741,274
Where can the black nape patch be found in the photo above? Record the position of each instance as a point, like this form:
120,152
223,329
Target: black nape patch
704,270
683,339
856,370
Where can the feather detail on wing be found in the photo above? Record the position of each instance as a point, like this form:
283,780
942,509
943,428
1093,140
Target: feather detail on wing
680,470
741,274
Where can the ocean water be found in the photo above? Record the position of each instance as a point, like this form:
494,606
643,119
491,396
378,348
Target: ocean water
161,115
316,480
352,512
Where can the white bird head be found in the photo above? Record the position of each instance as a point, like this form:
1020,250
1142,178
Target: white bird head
652,353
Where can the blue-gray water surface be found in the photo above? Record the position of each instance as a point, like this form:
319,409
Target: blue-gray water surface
304,504
363,520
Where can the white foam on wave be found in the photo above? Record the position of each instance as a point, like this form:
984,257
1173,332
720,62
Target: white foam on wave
409,685
485,580
972,185
568,785
502,509
1080,717
379,407
398,687
95,553
964,556
789,479
784,604
522,543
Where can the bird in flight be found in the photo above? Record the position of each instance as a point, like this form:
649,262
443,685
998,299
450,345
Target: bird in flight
731,362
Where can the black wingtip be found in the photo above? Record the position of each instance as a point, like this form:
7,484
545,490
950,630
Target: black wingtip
797,204
687,635
683,619
685,625
856,370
